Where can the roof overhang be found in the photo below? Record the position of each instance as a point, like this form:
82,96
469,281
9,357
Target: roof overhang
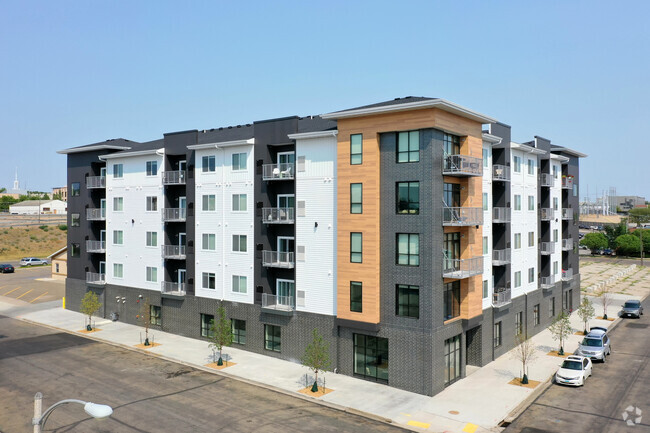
247,141
57,252
569,151
492,139
160,151
92,148
562,159
527,148
315,134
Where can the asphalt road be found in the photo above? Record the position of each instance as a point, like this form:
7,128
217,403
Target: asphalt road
623,381
31,285
148,394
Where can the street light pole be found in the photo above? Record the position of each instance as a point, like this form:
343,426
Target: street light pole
98,411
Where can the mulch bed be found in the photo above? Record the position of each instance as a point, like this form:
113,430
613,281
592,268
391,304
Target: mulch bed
220,367
85,331
142,346
554,353
610,319
321,391
531,383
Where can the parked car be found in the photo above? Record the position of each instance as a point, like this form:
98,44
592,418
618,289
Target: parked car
6,268
632,308
574,371
595,345
32,261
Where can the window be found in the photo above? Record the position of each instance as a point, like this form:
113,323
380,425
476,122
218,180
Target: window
118,237
485,245
485,201
451,300
517,240
555,171
408,249
555,268
452,359
451,144
152,274
536,315
531,275
206,325
531,202
208,164
356,149
356,298
209,280
118,204
497,334
517,164
408,146
152,204
555,235
118,270
517,202
551,307
155,312
75,220
152,168
239,161
356,244
152,239
238,331
239,243
519,323
239,202
517,279
75,251
486,157
356,198
451,194
408,301
239,284
272,338
485,288
531,166
209,203
575,189
371,357
75,189
531,239
118,171
209,241
555,203
408,197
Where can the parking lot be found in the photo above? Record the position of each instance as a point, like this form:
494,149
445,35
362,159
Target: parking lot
31,285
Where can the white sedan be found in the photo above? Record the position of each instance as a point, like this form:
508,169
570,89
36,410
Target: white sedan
574,371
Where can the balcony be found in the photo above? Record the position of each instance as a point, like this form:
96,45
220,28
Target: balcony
278,215
284,171
547,180
547,248
501,172
95,182
546,214
501,257
174,214
462,268
283,305
567,274
501,215
95,278
567,182
462,216
176,177
462,165
547,282
567,213
501,297
173,252
172,290
567,244
276,259
95,246
96,214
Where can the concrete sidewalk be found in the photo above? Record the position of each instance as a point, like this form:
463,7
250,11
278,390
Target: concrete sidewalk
477,403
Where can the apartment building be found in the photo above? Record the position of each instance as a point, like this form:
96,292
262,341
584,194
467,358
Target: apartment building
414,234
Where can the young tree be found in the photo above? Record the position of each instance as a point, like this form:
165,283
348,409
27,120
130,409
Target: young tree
144,317
586,311
560,330
525,353
594,241
220,333
90,305
316,357
605,295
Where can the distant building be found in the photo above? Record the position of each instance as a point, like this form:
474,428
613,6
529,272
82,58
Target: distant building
16,189
63,191
59,263
626,202
34,207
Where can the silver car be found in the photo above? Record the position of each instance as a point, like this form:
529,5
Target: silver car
632,308
32,261
595,345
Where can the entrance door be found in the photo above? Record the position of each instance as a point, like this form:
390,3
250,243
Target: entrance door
181,276
102,206
102,172
182,166
473,339
102,267
182,204
285,290
285,245
102,238
181,239
286,158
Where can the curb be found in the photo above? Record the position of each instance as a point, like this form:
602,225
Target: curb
521,407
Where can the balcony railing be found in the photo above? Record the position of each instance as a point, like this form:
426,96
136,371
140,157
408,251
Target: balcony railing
278,304
501,257
462,165
462,216
567,213
547,282
546,179
546,214
176,177
174,214
276,259
567,182
567,274
547,248
501,215
173,252
95,182
96,246
500,172
501,297
278,215
95,278
462,268
567,244
97,214
278,171
173,289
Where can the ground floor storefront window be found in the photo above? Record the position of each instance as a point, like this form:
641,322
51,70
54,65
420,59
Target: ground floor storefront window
371,357
452,359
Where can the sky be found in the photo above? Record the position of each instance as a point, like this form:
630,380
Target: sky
79,72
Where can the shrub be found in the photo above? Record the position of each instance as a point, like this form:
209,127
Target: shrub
63,227
44,228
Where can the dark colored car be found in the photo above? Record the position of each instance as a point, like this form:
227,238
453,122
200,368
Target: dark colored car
6,268
632,309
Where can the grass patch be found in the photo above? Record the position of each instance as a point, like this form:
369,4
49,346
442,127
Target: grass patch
22,242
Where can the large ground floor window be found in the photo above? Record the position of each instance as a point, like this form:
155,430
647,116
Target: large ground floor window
371,357
452,359
451,300
238,331
272,338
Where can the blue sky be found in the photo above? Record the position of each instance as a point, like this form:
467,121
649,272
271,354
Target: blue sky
78,72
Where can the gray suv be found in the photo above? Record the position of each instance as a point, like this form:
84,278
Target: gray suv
595,345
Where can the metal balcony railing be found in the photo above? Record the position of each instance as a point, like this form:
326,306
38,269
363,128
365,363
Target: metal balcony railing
462,165
96,214
278,215
170,288
500,172
501,297
546,214
567,213
173,252
546,179
462,216
174,214
95,246
462,268
95,182
547,282
546,248
276,259
567,182
567,244
278,171
501,257
501,215
95,278
176,177
278,303
567,274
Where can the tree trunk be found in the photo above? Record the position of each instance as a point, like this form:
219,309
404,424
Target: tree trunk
220,362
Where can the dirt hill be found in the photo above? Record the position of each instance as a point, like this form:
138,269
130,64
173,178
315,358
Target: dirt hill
40,242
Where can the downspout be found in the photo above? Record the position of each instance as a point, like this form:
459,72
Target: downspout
223,222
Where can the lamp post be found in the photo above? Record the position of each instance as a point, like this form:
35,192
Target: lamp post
98,411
